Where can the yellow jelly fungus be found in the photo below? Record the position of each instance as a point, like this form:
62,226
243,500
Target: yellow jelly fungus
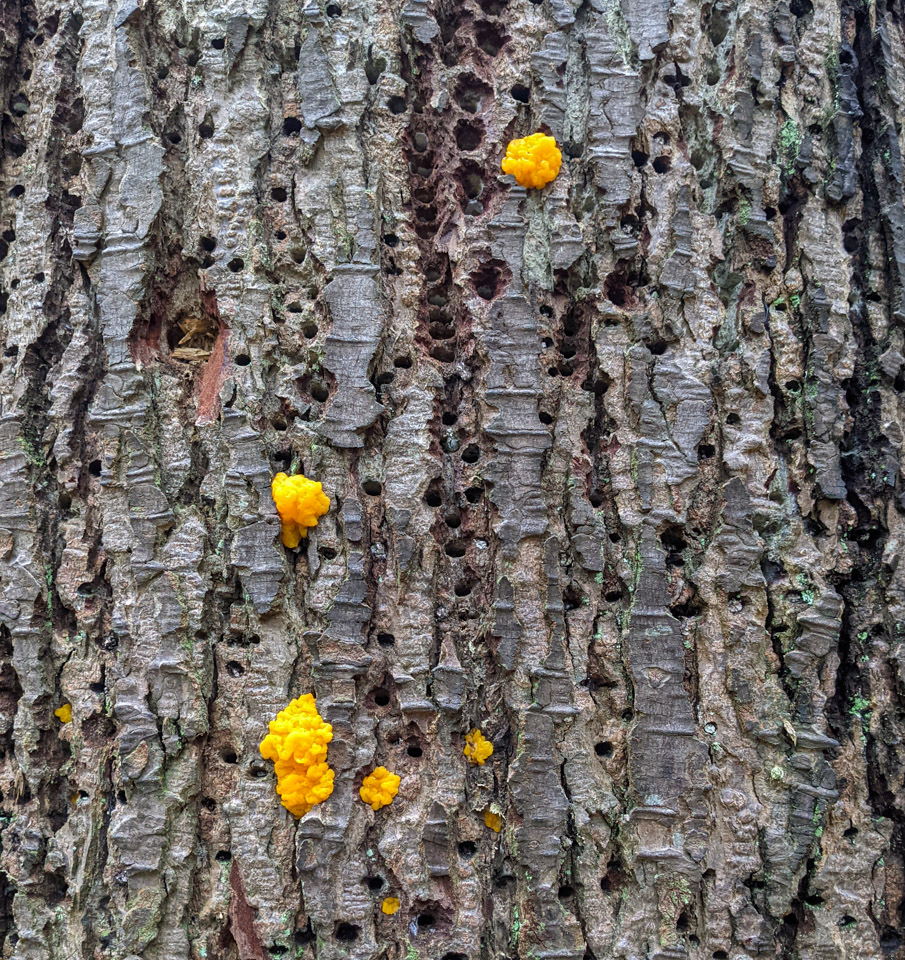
297,744
64,713
477,747
379,788
534,161
299,502
390,905
493,820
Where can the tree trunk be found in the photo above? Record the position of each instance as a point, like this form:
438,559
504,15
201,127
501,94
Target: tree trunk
614,470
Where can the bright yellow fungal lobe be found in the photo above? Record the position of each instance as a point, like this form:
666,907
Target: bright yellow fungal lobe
64,713
493,820
297,744
299,502
379,788
534,161
477,747
390,905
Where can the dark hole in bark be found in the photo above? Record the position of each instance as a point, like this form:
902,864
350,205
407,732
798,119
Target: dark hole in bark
235,669
372,488
662,164
639,158
720,955
334,10
208,244
504,881
373,883
603,749
327,553
521,93
801,8
568,352
565,369
448,419
94,468
415,751
433,499
347,932
243,360
402,363
474,494
386,639
545,417
627,716
391,239
209,804
489,38
851,833
206,130
17,191
463,589
279,194
230,756
319,391
174,137
454,956
218,43
9,235
309,331
38,278
472,453
565,891
657,347
455,549
596,500
236,264
425,920
469,134
443,353
374,68
733,419
453,520
381,697
396,105
224,856
420,142
706,451
292,126
305,936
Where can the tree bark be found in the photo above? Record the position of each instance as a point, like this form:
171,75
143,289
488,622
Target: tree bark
614,470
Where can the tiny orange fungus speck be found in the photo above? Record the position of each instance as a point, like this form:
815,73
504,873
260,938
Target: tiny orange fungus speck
379,788
477,747
299,502
64,713
297,744
534,161
390,905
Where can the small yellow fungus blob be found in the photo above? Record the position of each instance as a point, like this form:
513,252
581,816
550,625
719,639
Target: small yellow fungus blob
477,747
297,744
534,161
299,502
64,713
379,788
390,905
493,820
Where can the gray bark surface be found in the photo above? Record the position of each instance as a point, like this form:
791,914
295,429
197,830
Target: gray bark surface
614,470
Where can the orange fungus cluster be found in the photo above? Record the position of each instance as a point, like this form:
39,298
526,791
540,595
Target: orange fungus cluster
534,161
299,501
477,747
379,788
297,744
